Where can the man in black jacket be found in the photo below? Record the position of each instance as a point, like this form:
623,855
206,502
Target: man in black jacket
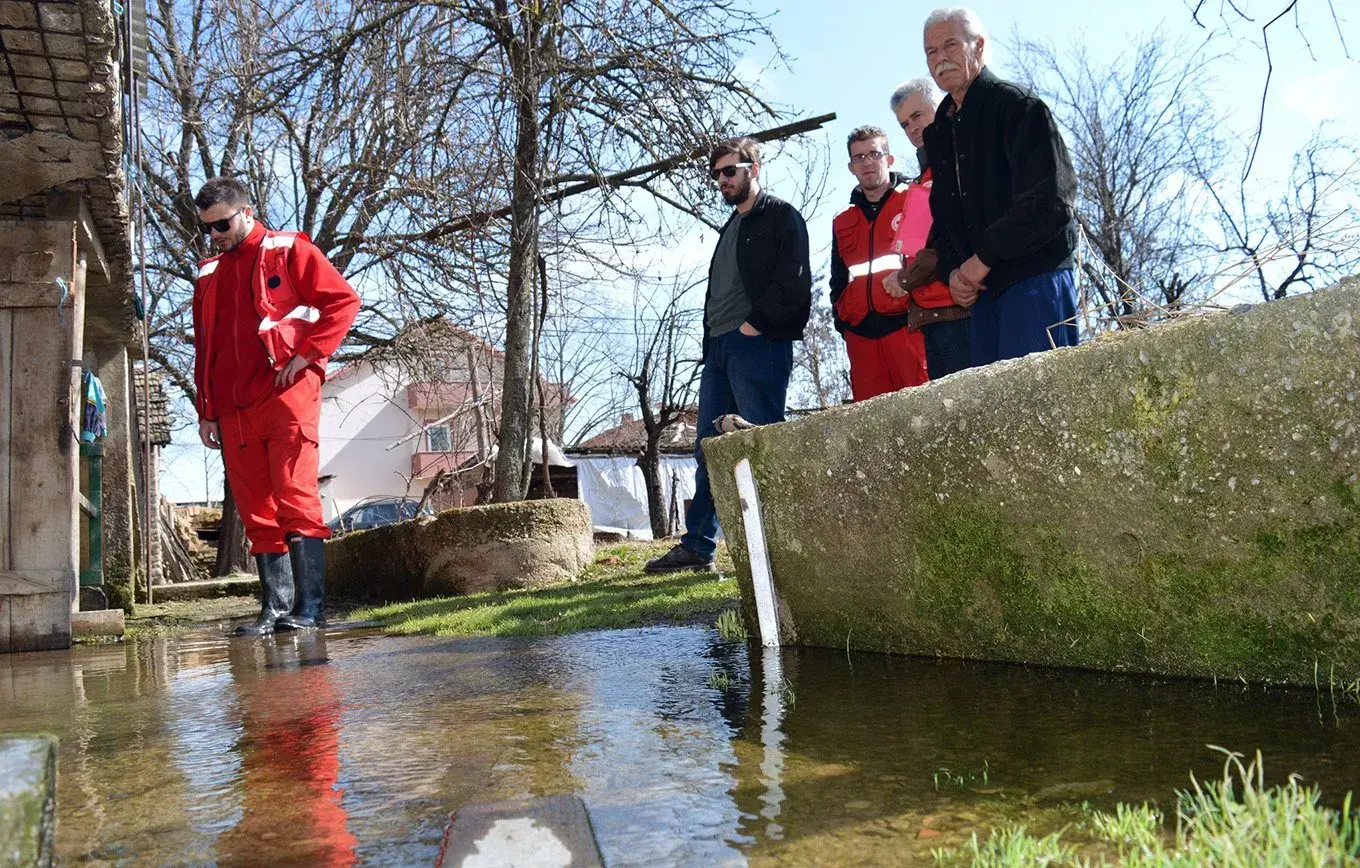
758,301
1002,201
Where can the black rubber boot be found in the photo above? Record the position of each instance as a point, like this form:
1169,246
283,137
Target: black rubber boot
276,593
309,572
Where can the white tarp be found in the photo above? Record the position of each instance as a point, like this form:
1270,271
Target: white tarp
613,488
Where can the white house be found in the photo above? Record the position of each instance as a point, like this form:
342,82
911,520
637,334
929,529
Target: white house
389,426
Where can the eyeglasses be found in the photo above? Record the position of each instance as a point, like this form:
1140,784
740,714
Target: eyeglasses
728,171
222,225
867,156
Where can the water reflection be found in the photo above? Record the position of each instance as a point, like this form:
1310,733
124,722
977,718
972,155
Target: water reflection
291,802
355,748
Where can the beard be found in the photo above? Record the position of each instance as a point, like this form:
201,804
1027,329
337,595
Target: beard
736,195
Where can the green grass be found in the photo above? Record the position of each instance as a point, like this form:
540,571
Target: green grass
1235,821
730,626
613,592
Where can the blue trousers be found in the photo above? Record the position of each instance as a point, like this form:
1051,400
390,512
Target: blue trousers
1021,320
745,375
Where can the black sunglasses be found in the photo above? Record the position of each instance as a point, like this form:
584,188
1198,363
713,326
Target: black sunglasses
728,171
218,225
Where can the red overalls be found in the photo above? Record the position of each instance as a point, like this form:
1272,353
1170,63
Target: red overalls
898,359
298,305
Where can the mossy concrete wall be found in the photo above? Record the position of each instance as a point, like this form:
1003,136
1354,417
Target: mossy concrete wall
1180,500
28,799
526,544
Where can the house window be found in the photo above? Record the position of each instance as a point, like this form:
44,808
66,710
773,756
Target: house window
439,438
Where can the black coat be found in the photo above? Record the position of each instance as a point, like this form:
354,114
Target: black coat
1011,201
772,256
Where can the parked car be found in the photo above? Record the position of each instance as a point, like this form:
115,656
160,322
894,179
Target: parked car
376,512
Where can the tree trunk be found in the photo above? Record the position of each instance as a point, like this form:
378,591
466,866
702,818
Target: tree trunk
512,462
650,462
233,550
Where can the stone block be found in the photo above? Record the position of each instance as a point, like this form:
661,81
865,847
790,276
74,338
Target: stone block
49,124
63,46
25,41
461,551
60,17
98,624
71,90
32,67
71,70
28,799
1180,500
36,87
17,13
34,266
552,830
41,105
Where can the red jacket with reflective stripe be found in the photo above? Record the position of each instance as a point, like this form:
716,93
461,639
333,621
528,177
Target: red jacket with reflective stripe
306,308
865,248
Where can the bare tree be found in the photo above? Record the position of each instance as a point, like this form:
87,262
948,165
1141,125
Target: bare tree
1135,142
664,376
1303,237
821,367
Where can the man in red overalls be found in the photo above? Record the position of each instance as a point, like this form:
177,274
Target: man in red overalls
884,354
269,310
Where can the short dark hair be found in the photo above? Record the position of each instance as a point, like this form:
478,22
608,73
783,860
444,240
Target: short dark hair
222,191
864,134
746,149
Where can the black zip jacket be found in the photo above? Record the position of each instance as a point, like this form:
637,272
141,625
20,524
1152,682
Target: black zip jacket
874,324
772,256
1011,200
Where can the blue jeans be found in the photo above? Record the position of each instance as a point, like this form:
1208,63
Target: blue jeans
748,376
1023,318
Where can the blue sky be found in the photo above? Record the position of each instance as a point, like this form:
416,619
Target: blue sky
847,58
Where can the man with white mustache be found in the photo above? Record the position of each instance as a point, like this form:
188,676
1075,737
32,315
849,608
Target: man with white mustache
1002,201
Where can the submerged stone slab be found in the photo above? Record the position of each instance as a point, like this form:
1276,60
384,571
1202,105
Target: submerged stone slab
28,799
1181,500
526,544
549,832
98,624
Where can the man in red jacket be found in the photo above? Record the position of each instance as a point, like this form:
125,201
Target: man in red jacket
269,310
884,354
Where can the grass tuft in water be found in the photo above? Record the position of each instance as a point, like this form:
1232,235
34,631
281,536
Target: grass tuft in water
948,779
731,627
1013,845
720,680
1235,821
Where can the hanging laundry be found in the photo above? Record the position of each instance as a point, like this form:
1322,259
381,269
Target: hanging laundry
93,418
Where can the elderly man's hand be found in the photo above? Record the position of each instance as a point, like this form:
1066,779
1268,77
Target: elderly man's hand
961,290
974,271
285,377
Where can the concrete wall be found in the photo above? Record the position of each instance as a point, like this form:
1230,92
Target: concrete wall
1180,500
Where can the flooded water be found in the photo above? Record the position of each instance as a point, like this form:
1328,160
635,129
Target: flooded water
354,748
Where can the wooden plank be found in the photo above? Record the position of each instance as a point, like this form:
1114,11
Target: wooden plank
44,295
6,418
40,622
43,450
25,582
